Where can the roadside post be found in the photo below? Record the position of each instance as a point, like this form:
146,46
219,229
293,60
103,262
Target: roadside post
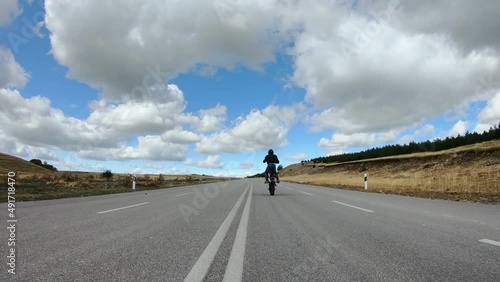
133,182
366,181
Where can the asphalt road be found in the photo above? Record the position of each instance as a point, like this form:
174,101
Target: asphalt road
236,231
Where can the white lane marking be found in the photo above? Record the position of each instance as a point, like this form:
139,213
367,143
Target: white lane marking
347,205
491,242
201,266
306,193
234,269
122,208
289,188
183,194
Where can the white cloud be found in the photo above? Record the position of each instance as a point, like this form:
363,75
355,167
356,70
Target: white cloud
34,122
246,165
154,166
256,131
213,161
9,10
209,120
340,141
427,17
153,115
366,93
11,73
459,128
180,136
296,157
425,131
148,148
490,115
37,29
169,36
10,145
42,154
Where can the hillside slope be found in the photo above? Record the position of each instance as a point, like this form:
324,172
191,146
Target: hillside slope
468,172
10,163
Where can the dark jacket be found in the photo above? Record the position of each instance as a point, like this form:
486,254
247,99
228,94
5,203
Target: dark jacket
271,158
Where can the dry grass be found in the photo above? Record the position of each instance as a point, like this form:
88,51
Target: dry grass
10,163
470,172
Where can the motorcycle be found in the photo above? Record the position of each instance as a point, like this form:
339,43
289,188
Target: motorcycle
272,181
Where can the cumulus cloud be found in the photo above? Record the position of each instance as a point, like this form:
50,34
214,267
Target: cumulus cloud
135,44
213,161
340,141
296,157
454,18
180,136
397,81
9,10
208,120
425,131
490,115
256,131
148,148
150,116
34,122
11,73
459,128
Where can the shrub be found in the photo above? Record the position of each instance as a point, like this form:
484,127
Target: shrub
107,174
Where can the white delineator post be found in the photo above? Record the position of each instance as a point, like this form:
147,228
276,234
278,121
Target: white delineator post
133,182
366,181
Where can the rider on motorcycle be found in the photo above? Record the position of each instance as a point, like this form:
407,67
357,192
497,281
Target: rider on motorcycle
271,159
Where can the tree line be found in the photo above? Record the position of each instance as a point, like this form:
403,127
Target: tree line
44,164
413,147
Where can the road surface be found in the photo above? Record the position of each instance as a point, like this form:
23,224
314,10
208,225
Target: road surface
236,231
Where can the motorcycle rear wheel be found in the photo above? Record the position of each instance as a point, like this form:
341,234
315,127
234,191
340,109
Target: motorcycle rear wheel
272,188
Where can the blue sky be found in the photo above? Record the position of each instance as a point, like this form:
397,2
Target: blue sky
142,88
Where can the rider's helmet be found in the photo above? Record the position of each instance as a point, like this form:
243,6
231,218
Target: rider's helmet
270,152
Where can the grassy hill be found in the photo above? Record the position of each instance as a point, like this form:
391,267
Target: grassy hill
465,173
10,163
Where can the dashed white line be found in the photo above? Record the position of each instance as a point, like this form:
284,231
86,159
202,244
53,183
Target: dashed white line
122,208
306,193
491,242
347,205
234,269
201,266
183,194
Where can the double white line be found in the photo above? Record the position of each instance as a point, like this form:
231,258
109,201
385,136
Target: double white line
234,269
